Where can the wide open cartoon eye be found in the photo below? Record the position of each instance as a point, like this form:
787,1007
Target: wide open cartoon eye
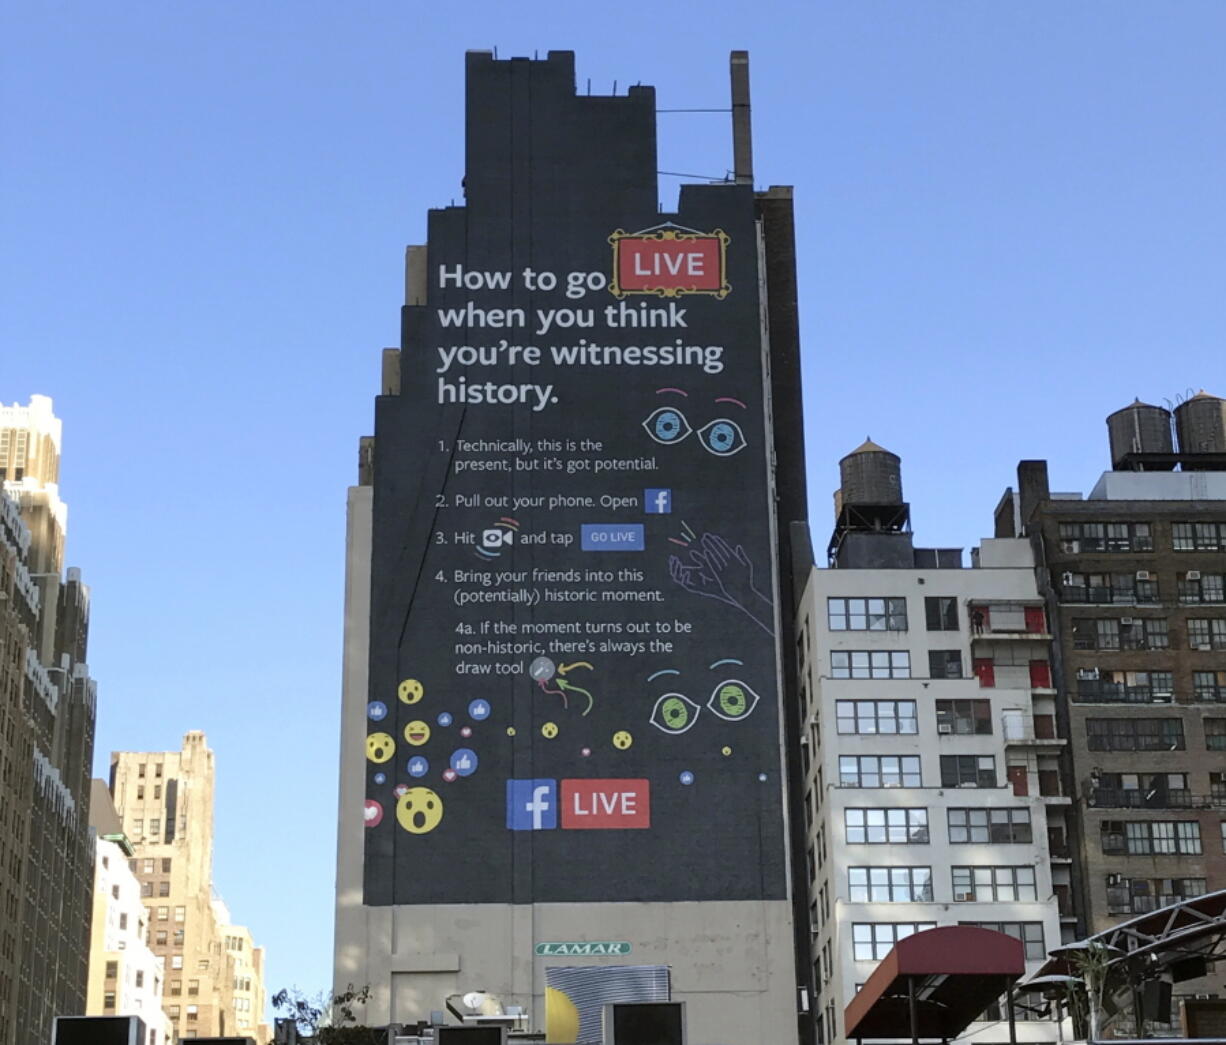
667,425
733,700
722,437
674,713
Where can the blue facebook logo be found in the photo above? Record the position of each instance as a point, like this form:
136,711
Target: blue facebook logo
658,502
532,805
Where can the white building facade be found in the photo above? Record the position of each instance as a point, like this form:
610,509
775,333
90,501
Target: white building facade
929,753
125,976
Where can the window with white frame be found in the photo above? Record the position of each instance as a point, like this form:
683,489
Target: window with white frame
872,941
879,771
991,884
870,664
885,614
876,716
891,826
889,884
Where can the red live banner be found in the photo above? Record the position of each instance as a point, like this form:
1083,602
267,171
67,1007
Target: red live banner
669,263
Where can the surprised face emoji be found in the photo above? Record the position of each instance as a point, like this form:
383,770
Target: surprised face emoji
419,810
380,747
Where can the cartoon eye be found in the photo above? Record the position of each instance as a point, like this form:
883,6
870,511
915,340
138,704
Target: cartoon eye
722,437
733,700
674,713
667,425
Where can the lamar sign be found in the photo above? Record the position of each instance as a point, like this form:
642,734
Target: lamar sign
668,262
581,947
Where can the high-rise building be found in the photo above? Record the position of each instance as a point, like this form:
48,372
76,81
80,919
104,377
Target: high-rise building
563,728
1134,575
930,730
165,802
47,702
125,976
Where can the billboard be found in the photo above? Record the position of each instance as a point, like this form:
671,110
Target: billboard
573,672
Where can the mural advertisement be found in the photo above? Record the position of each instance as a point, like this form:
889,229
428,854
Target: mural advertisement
573,656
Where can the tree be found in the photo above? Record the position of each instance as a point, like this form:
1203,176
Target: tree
325,1018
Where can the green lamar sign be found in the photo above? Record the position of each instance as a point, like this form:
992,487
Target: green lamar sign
582,947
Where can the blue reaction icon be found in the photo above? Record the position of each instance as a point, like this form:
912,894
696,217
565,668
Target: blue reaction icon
532,805
376,711
418,766
464,761
658,502
479,710
686,778
380,778
444,718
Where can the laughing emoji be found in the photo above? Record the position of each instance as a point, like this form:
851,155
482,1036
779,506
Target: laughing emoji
417,732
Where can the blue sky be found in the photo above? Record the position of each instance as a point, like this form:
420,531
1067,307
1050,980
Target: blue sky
1010,223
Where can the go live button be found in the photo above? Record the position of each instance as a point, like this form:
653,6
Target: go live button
611,537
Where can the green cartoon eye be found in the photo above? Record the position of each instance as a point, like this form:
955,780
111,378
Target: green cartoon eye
674,713
733,700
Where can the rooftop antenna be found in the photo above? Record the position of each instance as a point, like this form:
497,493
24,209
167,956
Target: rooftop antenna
742,137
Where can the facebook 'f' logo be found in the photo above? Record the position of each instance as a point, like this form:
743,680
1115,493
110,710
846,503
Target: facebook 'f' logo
532,805
658,502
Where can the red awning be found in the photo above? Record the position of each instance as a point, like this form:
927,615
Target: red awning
956,972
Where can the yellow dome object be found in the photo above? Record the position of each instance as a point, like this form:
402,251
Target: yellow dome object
561,1016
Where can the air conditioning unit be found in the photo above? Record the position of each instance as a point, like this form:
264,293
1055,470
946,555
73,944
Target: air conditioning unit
1193,575
1203,645
963,897
1087,673
1142,575
1126,621
944,727
1114,879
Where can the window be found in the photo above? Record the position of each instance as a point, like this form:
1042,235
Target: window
112,970
873,941
108,1000
140,794
1095,685
166,865
180,913
163,913
146,865
1209,685
140,978
1030,933
870,664
945,664
1215,734
160,937
1145,633
123,921
1142,895
1196,587
997,826
886,826
157,791
157,770
876,716
1198,537
1096,633
155,827
889,884
1134,734
192,1011
177,938
1105,537
879,771
146,888
1141,790
1109,588
193,987
964,717
1223,826
140,770
991,884
176,961
1207,633
867,614
1151,837
941,613
968,771
163,888
176,988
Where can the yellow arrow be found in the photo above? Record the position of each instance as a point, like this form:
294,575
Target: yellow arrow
564,668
